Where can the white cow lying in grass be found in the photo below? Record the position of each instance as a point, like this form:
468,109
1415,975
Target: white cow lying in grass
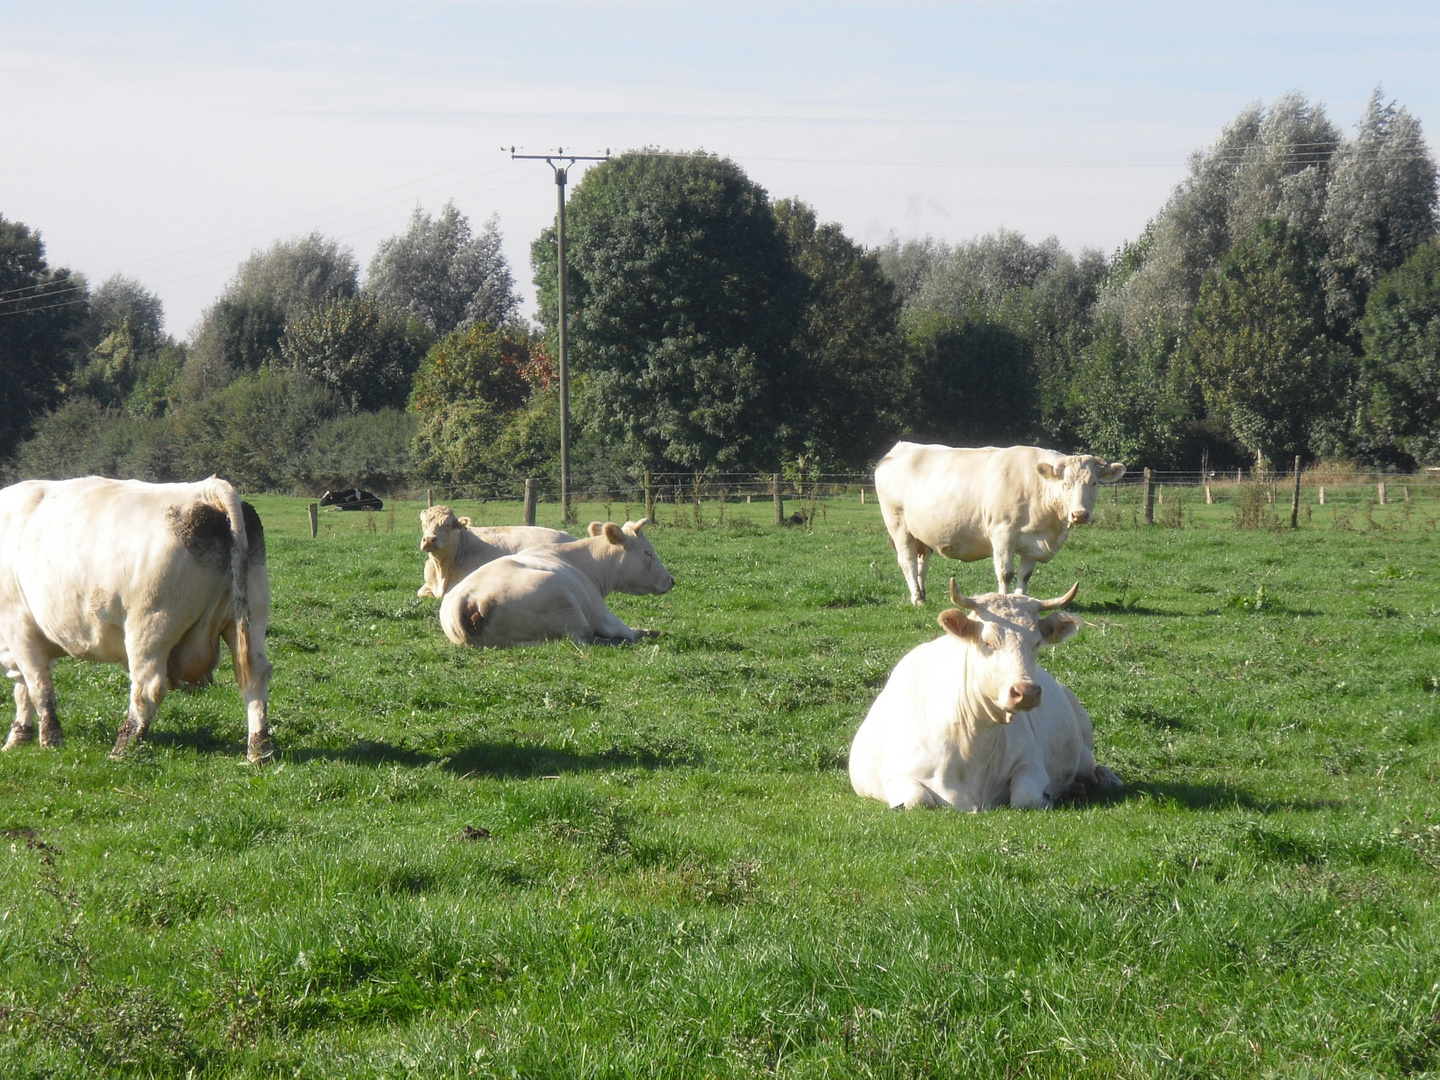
970,720
555,591
455,548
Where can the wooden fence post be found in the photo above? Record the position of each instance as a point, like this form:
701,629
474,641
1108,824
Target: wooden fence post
429,497
695,494
1380,489
1322,494
1149,500
1295,498
530,501
779,499
1159,494
649,497
862,494
1209,501
1406,489
314,520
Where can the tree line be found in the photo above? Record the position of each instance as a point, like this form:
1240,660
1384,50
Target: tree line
1285,300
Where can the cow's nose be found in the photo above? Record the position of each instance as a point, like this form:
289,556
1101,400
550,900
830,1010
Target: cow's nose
426,544
1079,517
1021,696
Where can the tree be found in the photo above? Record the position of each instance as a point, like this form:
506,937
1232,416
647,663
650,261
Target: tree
848,350
970,383
470,385
365,353
1259,345
241,331
1399,413
683,305
439,272
40,312
1380,205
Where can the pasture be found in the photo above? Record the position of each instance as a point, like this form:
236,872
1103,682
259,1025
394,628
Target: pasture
648,861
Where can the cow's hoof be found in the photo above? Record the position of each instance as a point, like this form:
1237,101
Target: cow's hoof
647,633
1105,780
51,736
260,750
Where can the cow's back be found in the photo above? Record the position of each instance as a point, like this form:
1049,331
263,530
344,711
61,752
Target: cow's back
951,498
79,555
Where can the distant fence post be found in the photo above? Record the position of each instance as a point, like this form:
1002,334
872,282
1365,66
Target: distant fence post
1406,490
530,501
1295,498
314,520
1322,494
1149,500
779,499
1380,490
1208,499
429,497
649,497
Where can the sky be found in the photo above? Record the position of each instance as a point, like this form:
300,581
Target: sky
167,141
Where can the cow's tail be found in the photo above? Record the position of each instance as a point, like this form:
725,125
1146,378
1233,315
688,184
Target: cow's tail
466,622
221,495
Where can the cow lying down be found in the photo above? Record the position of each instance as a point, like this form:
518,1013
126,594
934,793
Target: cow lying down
454,548
152,576
556,591
970,720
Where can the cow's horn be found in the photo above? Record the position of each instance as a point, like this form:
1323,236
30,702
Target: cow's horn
961,601
1060,601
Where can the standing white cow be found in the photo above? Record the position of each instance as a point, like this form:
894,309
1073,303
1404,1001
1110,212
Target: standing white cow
557,590
987,502
148,575
454,548
971,721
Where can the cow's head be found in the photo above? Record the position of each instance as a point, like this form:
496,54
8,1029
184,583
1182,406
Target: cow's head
1004,633
1075,479
439,527
638,570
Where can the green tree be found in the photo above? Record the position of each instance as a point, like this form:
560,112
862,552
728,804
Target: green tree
970,382
40,312
1399,414
684,304
1260,351
848,350
365,353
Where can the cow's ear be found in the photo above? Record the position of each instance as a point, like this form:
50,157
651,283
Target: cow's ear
464,522
596,528
959,623
1058,627
613,532
1048,471
1112,472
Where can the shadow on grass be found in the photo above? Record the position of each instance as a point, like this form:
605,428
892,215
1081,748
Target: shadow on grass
501,759
1213,797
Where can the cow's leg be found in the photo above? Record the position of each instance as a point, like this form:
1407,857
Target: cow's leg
1003,545
147,690
1027,567
23,729
905,792
911,556
1030,790
922,564
256,695
612,629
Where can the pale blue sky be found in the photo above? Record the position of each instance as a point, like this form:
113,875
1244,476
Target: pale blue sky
167,141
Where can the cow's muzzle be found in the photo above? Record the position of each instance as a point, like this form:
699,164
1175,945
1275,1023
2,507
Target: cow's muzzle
1079,517
1021,697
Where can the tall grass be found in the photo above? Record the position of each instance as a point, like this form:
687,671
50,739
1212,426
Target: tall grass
647,861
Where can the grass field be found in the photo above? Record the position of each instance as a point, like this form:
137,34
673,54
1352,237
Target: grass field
647,861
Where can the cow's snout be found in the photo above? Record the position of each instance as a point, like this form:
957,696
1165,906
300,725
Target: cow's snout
427,543
1079,517
1022,696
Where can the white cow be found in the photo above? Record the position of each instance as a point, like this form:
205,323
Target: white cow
148,575
557,590
969,720
454,547
989,502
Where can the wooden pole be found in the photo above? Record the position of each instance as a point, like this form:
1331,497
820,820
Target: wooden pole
1160,494
1208,499
779,499
530,501
649,497
314,520
1322,494
1295,497
1380,489
429,497
862,496
1149,500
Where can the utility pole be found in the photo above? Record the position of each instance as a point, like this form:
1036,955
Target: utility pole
561,175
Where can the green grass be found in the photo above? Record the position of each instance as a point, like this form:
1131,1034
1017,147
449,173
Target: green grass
647,861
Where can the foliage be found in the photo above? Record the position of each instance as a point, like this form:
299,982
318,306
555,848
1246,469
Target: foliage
1260,351
848,350
242,330
41,310
970,382
371,450
684,305
438,271
1399,378
363,352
